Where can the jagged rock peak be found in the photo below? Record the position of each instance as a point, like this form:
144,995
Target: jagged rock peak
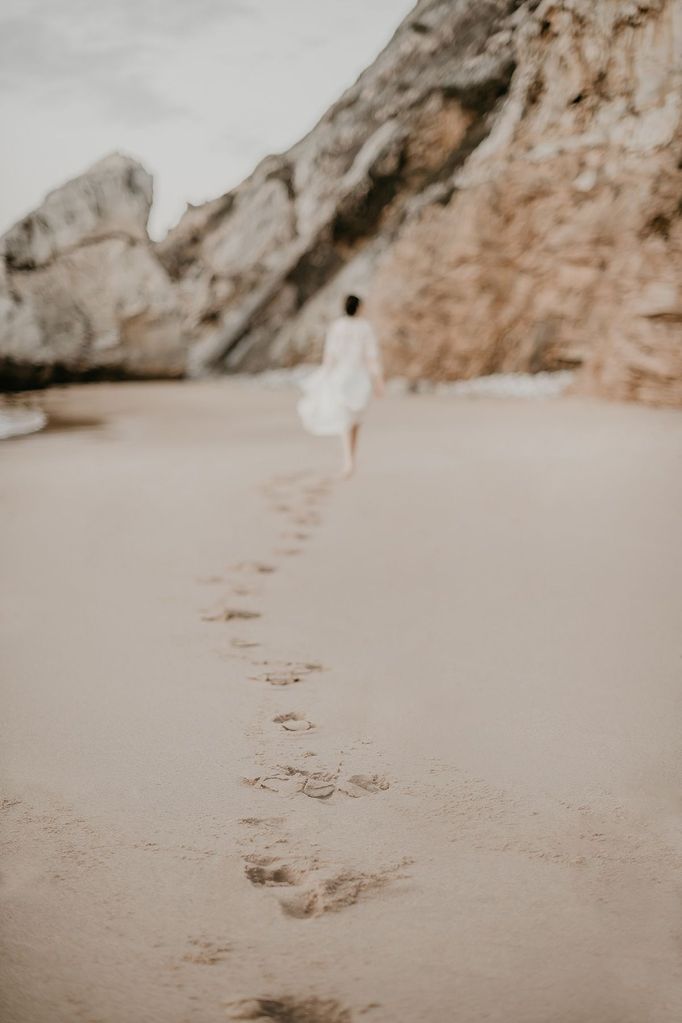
82,294
114,196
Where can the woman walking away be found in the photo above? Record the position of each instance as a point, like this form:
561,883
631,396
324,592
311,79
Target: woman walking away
337,394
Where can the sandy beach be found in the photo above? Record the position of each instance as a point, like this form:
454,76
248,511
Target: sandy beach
404,749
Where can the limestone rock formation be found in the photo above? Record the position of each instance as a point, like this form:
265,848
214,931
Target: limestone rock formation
262,268
562,242
82,292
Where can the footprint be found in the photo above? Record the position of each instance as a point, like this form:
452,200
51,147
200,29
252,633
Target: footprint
274,678
283,479
318,787
288,552
290,1010
286,673
331,895
294,722
302,667
306,520
313,495
243,644
364,784
264,871
206,953
316,893
256,822
210,579
287,780
259,567
229,614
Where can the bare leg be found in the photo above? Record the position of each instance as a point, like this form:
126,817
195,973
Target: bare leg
350,443
354,432
348,466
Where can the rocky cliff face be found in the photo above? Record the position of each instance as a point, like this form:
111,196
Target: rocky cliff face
263,268
503,184
82,293
561,244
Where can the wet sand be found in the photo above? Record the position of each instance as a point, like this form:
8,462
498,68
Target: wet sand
401,749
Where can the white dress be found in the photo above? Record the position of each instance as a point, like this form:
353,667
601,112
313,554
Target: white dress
336,394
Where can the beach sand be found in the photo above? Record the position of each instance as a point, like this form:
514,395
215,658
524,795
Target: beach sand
400,749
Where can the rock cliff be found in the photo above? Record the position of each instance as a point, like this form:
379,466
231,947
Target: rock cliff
561,244
262,268
82,293
503,184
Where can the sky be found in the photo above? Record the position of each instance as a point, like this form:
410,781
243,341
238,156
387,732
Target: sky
197,90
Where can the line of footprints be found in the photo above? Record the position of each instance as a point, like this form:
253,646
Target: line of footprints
305,887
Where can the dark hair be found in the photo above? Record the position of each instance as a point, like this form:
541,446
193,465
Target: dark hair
352,305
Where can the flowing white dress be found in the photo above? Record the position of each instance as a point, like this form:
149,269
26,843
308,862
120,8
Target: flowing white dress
336,395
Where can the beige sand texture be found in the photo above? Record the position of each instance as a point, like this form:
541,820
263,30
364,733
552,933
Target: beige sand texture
404,749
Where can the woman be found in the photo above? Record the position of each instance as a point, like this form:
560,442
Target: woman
337,394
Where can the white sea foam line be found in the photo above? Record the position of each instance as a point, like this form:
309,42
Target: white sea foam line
496,385
16,422
511,385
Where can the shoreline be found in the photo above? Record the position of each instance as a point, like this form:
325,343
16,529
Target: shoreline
19,415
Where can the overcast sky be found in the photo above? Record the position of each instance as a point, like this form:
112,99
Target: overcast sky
198,90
